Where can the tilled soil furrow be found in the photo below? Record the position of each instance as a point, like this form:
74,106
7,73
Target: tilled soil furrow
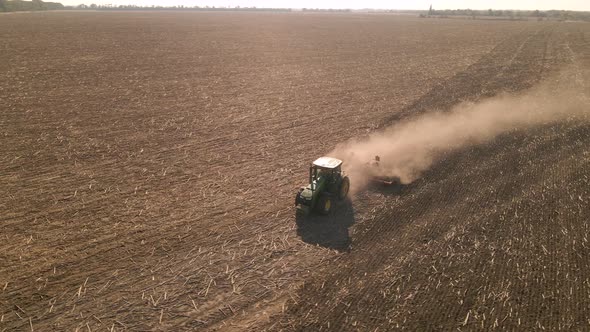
149,171
430,261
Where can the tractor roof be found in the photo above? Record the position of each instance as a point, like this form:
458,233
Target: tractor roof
327,162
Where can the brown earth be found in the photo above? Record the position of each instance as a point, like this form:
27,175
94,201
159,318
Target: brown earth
149,161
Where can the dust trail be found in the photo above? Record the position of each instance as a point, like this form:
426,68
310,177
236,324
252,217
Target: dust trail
412,146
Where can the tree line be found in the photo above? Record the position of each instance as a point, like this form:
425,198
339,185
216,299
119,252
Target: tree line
35,5
513,14
181,7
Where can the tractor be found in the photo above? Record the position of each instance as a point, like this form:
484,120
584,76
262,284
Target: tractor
327,184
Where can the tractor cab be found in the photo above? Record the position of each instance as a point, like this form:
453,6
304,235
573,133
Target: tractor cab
325,169
326,181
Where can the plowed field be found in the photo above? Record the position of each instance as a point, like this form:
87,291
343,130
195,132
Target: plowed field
149,162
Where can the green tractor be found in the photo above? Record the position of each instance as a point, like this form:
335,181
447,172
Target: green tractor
327,184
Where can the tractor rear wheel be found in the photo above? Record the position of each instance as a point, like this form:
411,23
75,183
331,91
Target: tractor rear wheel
324,205
344,187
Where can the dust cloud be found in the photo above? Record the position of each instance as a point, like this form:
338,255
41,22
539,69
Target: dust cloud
409,148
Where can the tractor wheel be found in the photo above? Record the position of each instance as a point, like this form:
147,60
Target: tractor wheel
297,197
344,187
324,205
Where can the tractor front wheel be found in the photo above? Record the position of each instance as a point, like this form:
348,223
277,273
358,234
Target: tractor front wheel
324,204
297,197
344,187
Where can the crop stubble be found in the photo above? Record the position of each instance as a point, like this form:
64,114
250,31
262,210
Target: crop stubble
149,162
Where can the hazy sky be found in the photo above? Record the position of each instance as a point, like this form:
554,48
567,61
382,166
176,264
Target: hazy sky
357,4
